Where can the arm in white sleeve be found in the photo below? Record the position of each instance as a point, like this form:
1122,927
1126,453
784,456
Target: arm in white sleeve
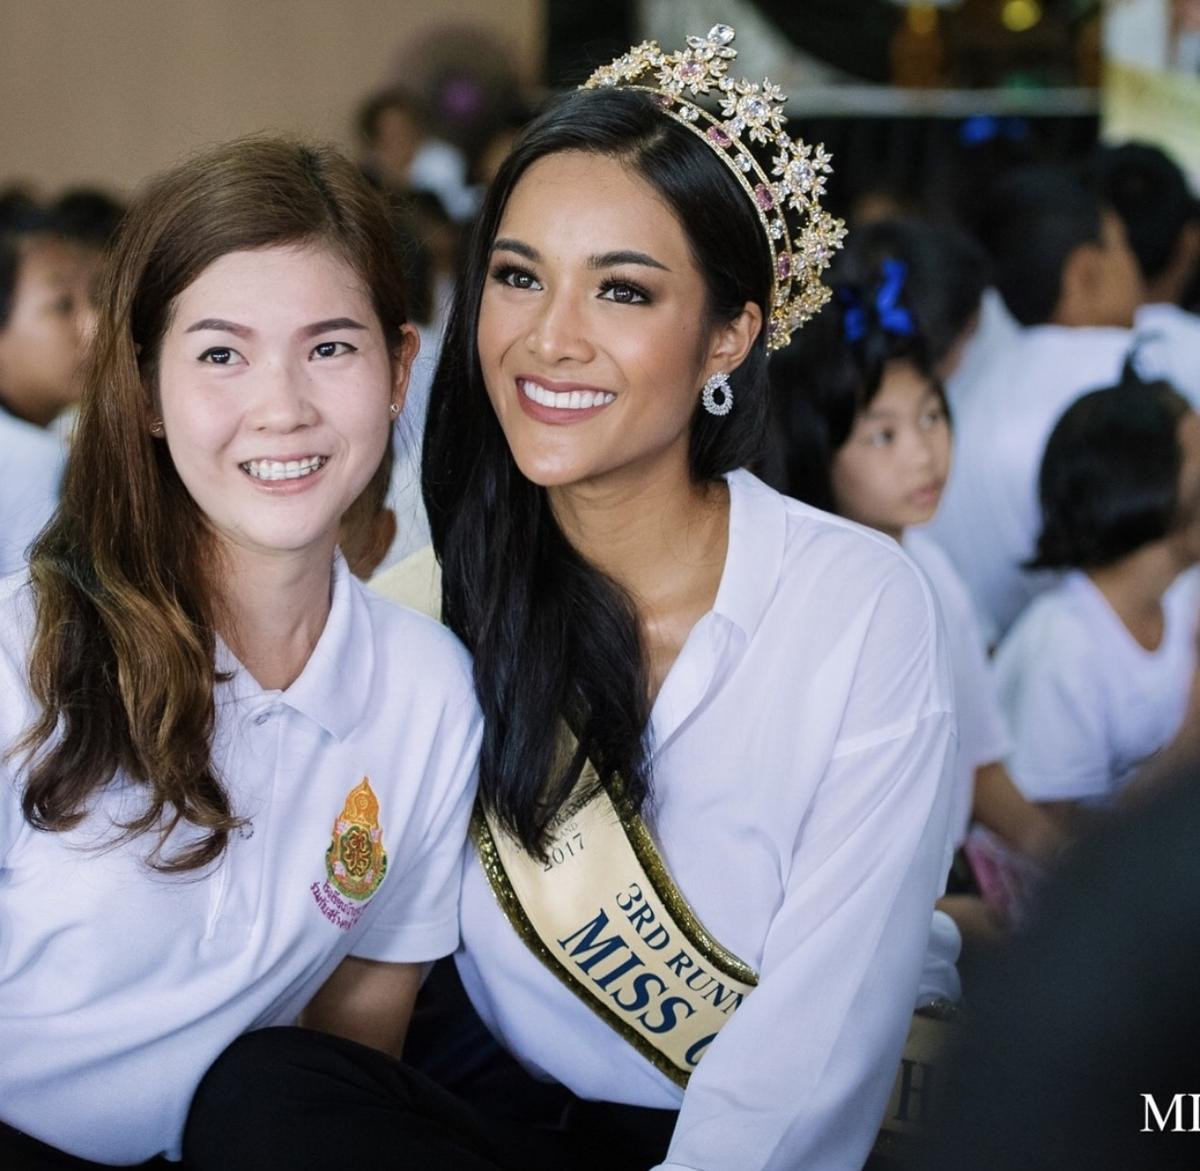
800,1075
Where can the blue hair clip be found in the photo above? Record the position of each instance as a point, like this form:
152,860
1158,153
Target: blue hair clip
893,318
981,128
854,314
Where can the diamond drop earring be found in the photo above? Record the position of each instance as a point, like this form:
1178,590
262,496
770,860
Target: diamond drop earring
717,397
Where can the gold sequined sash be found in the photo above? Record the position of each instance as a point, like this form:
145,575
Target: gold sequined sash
602,913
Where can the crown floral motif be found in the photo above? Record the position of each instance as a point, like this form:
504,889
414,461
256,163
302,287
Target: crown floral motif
784,191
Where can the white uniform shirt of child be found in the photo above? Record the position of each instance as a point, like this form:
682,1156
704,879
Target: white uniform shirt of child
802,744
31,466
982,736
995,330
1086,703
119,986
989,518
1169,348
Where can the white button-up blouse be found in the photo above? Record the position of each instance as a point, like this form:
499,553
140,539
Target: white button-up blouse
802,744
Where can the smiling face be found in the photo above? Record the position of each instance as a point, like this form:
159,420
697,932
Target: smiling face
594,336
890,472
274,385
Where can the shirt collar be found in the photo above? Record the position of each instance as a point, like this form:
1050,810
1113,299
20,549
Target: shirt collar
335,684
754,559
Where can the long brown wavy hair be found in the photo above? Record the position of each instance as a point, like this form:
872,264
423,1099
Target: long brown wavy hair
126,576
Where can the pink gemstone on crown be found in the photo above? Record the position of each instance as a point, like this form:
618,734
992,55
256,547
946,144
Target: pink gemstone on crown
717,135
763,197
691,69
783,266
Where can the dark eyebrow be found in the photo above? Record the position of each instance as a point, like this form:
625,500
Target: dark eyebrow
330,325
216,323
612,259
602,260
518,247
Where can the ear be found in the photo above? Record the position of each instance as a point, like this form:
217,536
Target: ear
404,353
732,341
1082,278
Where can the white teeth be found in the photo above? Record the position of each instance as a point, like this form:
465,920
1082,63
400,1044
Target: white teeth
292,469
567,400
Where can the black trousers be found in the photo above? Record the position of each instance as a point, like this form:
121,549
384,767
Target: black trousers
19,1152
296,1100
290,1098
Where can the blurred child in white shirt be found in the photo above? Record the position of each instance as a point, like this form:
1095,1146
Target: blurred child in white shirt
1099,675
864,431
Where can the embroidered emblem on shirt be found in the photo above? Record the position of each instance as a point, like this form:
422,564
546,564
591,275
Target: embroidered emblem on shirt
355,862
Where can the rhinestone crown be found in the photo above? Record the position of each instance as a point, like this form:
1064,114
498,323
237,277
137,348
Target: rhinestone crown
801,235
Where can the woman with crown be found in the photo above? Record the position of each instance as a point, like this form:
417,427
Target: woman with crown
712,805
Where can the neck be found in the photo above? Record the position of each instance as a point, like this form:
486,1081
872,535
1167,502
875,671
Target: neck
273,610
1134,587
1166,289
651,533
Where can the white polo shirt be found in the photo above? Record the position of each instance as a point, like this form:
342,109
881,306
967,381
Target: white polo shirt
1087,705
996,329
119,986
982,737
1169,348
31,466
802,745
990,516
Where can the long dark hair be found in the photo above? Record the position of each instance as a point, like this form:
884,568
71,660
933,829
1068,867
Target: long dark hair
554,639
125,577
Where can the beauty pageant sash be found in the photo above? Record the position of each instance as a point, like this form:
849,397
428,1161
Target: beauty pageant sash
602,913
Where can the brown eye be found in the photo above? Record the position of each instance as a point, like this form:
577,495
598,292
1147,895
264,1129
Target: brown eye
218,356
333,349
624,293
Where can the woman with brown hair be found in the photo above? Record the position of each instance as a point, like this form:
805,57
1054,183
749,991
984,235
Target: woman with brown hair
226,798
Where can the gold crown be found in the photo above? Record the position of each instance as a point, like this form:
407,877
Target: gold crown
801,235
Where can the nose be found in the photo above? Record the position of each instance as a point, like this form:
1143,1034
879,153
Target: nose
923,448
558,332
282,398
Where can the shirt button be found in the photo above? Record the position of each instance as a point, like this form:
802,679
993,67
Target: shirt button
262,718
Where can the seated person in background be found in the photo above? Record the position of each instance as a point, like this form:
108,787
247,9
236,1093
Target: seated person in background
400,153
234,787
862,423
46,320
1065,271
1099,674
88,216
1150,193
